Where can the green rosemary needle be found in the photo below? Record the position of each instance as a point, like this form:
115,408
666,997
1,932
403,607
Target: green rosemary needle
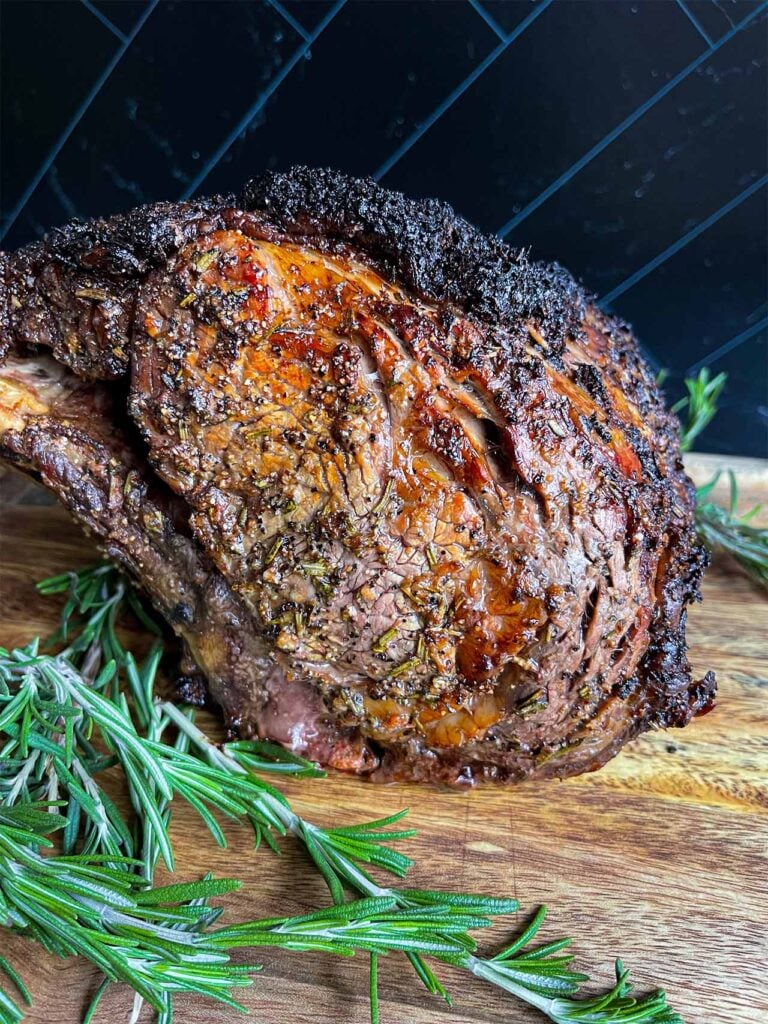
700,404
721,528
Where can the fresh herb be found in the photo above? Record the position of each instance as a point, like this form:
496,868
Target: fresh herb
720,528
700,403
65,717
723,529
155,940
9,1010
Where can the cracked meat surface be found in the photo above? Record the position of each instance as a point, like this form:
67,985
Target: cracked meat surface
413,503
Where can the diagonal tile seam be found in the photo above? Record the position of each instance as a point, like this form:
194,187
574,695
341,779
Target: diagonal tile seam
109,25
695,22
75,120
459,91
261,101
728,346
620,128
297,27
680,244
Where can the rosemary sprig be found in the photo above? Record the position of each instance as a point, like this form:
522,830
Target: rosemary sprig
720,528
155,940
700,403
58,710
723,529
162,940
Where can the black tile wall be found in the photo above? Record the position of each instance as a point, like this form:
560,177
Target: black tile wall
168,102
711,291
369,101
626,138
716,17
41,85
123,14
661,172
544,103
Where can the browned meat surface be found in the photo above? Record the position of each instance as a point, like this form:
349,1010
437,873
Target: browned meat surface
412,502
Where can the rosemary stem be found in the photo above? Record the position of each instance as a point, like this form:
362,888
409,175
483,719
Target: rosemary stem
293,823
485,970
374,989
213,753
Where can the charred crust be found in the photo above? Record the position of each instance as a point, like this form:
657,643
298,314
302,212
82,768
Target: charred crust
76,293
192,690
422,244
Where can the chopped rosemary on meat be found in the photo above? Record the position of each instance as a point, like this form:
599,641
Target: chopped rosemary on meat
380,645
273,551
421,648
67,716
383,501
255,434
97,294
315,568
536,702
204,261
404,668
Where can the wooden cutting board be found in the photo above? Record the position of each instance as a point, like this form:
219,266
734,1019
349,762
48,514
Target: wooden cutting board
659,858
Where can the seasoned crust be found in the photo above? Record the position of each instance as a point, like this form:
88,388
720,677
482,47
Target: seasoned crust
76,292
424,245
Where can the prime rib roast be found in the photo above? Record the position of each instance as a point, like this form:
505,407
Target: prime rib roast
411,502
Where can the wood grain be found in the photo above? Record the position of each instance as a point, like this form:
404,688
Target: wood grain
659,858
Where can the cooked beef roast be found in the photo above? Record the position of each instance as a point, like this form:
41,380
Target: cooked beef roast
411,501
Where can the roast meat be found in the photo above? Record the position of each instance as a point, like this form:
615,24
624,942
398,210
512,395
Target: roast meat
412,502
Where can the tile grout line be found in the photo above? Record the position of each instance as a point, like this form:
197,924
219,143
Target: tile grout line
460,89
55,186
728,346
620,128
694,21
287,16
489,20
260,101
75,120
104,20
684,240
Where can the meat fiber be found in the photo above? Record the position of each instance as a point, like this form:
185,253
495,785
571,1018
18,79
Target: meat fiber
412,502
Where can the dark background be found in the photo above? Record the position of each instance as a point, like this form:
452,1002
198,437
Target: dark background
625,139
